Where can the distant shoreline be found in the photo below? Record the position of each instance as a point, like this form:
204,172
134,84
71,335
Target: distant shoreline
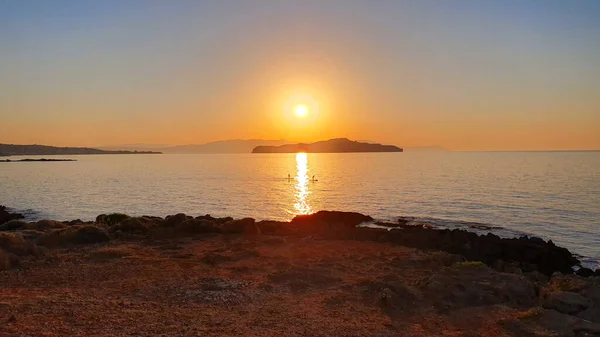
34,160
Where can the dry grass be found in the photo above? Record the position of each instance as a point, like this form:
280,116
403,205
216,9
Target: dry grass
528,314
85,234
15,243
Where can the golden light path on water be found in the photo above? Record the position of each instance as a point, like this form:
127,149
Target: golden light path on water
301,206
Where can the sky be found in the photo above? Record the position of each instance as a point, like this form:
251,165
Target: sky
466,75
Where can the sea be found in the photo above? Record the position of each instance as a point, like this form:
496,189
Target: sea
551,195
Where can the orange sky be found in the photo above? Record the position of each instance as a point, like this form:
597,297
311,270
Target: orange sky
464,76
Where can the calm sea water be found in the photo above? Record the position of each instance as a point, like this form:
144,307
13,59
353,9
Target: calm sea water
553,195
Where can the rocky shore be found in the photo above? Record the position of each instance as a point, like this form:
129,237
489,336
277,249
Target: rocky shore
317,275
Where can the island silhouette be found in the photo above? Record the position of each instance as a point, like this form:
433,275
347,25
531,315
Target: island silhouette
336,145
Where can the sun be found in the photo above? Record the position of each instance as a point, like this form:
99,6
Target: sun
301,110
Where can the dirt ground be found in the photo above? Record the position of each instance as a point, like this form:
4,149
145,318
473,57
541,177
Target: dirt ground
236,285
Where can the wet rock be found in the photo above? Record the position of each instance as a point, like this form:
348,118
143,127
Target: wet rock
333,219
566,302
585,272
6,216
245,226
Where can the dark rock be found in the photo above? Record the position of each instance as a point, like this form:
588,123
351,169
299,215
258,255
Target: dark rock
591,314
100,218
566,302
6,216
198,226
133,225
73,222
111,219
268,226
174,220
245,226
471,285
542,322
346,219
218,221
527,254
585,272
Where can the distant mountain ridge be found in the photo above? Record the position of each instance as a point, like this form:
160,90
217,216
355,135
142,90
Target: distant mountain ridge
33,150
336,145
426,149
223,146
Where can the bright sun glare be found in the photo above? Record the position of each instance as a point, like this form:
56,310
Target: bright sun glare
301,110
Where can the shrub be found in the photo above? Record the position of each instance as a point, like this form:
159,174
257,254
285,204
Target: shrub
13,225
5,260
43,225
16,244
469,264
113,218
75,235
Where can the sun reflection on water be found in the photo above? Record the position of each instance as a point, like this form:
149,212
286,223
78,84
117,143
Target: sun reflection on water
301,206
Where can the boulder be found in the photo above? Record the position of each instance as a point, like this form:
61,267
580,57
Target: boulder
269,226
133,225
245,226
197,226
591,314
174,220
345,219
111,219
585,272
73,222
566,302
218,221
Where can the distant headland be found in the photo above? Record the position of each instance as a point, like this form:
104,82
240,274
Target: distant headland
34,150
337,145
33,160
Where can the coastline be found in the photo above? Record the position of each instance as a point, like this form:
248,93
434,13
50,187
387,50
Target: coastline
257,278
